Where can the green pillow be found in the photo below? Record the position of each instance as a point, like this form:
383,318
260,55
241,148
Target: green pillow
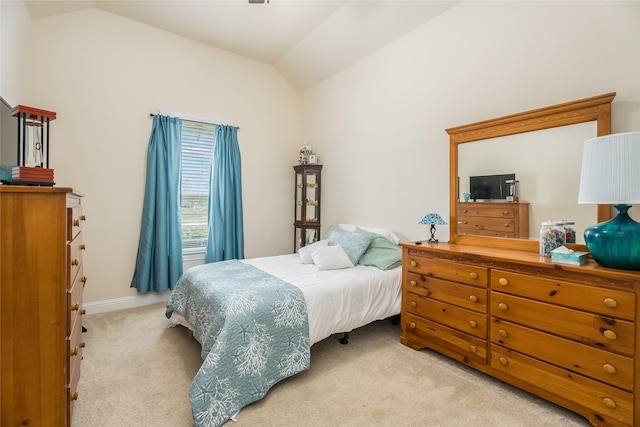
382,253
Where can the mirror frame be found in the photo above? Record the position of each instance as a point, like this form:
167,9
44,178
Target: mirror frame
597,108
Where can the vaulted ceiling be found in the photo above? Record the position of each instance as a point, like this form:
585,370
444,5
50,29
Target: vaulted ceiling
305,40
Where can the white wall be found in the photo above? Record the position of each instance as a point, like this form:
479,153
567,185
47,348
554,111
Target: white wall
14,25
379,126
103,75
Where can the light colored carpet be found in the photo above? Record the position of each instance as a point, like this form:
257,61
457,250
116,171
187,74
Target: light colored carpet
136,372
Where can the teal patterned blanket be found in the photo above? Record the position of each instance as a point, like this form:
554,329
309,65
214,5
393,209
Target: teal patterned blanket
254,332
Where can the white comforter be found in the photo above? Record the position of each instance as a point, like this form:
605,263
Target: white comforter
338,300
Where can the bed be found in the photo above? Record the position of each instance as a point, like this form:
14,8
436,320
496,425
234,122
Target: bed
256,319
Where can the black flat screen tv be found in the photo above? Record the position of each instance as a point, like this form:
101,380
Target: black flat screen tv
490,187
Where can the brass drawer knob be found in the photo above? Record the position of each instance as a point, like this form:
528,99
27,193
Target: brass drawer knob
473,349
83,312
502,306
610,335
74,351
75,261
83,247
84,279
473,275
473,298
74,396
413,263
413,283
503,333
503,281
75,306
609,403
473,323
609,369
413,304
610,302
76,223
464,211
504,361
83,217
412,325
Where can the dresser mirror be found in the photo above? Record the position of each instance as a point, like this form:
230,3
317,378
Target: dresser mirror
543,147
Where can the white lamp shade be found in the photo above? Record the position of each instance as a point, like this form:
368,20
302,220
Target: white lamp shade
611,170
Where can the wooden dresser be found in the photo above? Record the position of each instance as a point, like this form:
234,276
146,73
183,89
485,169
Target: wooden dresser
42,281
565,333
495,219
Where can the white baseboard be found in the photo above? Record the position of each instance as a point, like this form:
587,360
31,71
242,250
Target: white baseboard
125,302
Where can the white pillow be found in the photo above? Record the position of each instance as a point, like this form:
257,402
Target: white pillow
305,251
387,234
331,258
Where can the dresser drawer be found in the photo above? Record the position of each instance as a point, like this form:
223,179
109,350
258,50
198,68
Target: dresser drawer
423,332
74,349
591,298
75,220
470,297
489,233
72,393
74,299
592,362
449,315
501,225
601,398
74,258
506,211
450,270
588,328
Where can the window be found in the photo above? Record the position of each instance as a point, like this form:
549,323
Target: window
197,154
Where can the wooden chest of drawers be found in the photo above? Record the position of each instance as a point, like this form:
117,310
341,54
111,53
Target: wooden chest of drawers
41,272
565,333
497,219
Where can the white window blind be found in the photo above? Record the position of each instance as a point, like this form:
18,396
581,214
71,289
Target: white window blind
198,140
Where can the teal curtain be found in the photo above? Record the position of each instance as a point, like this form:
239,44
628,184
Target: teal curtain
159,259
226,231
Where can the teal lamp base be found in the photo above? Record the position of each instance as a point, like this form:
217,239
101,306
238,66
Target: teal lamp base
615,243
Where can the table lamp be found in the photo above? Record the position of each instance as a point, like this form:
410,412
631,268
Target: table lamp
432,219
611,175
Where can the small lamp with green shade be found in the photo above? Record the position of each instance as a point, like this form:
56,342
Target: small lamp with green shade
432,219
611,175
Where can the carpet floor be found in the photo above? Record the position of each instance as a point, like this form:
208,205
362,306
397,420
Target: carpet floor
136,371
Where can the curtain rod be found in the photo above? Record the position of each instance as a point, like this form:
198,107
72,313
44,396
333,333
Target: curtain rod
197,120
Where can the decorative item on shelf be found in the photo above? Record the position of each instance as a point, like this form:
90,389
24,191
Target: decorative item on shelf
513,190
610,175
432,219
466,196
33,146
305,152
313,159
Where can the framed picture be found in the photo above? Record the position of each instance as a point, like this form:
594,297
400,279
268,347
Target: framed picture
313,159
